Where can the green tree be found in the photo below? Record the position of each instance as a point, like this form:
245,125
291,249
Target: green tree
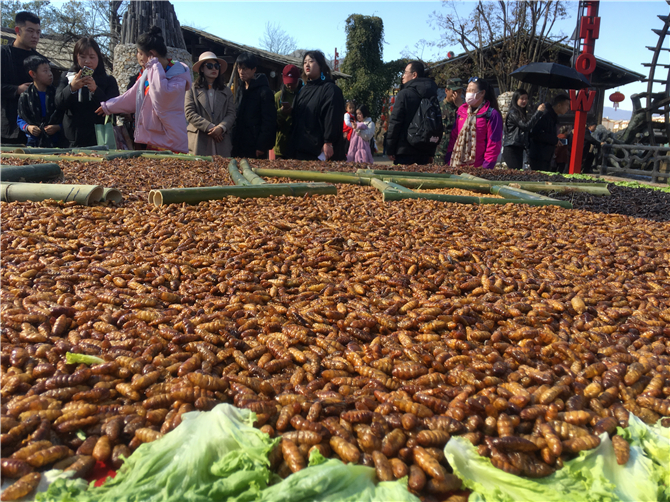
371,78
42,9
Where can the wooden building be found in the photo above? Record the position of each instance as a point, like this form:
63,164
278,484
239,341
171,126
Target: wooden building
606,76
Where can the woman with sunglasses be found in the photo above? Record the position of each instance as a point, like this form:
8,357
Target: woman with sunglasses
476,139
210,109
157,98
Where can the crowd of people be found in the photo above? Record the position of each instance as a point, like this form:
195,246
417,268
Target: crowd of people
307,119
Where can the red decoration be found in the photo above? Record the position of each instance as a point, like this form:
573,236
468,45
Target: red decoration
617,98
383,118
393,99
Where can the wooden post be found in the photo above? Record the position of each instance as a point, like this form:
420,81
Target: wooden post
581,102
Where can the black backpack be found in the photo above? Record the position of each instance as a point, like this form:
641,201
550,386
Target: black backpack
426,128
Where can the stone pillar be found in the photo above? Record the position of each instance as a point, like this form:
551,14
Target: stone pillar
504,102
125,62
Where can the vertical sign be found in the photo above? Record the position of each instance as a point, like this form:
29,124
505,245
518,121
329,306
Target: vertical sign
582,100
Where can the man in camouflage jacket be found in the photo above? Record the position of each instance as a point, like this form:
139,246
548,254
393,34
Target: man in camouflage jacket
451,103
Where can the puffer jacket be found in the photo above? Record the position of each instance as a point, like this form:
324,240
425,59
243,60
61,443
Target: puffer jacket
318,115
256,122
159,114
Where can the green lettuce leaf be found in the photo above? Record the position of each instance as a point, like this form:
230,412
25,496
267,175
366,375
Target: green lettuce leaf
332,480
594,476
71,358
189,463
654,440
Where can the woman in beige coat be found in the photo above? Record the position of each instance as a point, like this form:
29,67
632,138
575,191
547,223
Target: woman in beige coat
210,109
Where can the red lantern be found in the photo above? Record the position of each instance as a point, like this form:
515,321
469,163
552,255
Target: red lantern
393,99
617,98
383,118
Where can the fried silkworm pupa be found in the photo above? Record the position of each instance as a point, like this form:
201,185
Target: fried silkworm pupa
417,478
382,466
345,450
15,468
22,487
82,467
621,449
292,455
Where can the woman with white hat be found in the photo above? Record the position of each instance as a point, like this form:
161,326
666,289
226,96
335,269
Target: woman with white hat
210,109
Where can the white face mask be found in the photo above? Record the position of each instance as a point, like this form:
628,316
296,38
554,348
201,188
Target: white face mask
471,98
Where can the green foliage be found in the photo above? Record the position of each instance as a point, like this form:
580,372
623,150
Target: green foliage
372,79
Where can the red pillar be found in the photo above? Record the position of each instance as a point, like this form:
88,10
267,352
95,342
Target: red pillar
581,102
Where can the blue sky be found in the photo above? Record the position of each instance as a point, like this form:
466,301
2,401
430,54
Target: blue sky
625,26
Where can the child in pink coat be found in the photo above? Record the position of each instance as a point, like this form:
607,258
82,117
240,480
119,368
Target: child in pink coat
157,98
364,130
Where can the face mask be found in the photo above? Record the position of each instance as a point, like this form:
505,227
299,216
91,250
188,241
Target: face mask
471,98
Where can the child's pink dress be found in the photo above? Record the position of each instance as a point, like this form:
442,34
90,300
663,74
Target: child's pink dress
359,148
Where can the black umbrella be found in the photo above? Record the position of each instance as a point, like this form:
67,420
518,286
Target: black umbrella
551,75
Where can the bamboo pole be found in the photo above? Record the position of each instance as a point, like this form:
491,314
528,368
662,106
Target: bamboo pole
396,195
484,185
385,185
112,194
200,194
57,158
234,172
328,176
250,176
180,156
425,183
377,172
517,193
30,172
547,186
129,154
22,192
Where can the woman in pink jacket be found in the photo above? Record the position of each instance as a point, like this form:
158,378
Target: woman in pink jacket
476,139
157,98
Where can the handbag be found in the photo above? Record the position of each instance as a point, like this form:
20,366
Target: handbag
109,135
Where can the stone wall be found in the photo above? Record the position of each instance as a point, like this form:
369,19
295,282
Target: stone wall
125,62
504,102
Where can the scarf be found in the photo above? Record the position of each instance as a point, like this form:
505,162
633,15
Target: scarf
466,143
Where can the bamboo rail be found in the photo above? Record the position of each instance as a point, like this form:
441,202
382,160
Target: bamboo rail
23,192
200,194
30,172
251,176
234,172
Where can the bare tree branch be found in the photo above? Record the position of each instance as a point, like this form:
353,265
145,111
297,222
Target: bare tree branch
277,40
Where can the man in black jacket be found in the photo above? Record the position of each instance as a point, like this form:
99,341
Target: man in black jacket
256,123
15,78
544,134
415,88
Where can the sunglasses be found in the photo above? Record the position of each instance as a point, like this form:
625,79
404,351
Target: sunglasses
473,79
212,66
